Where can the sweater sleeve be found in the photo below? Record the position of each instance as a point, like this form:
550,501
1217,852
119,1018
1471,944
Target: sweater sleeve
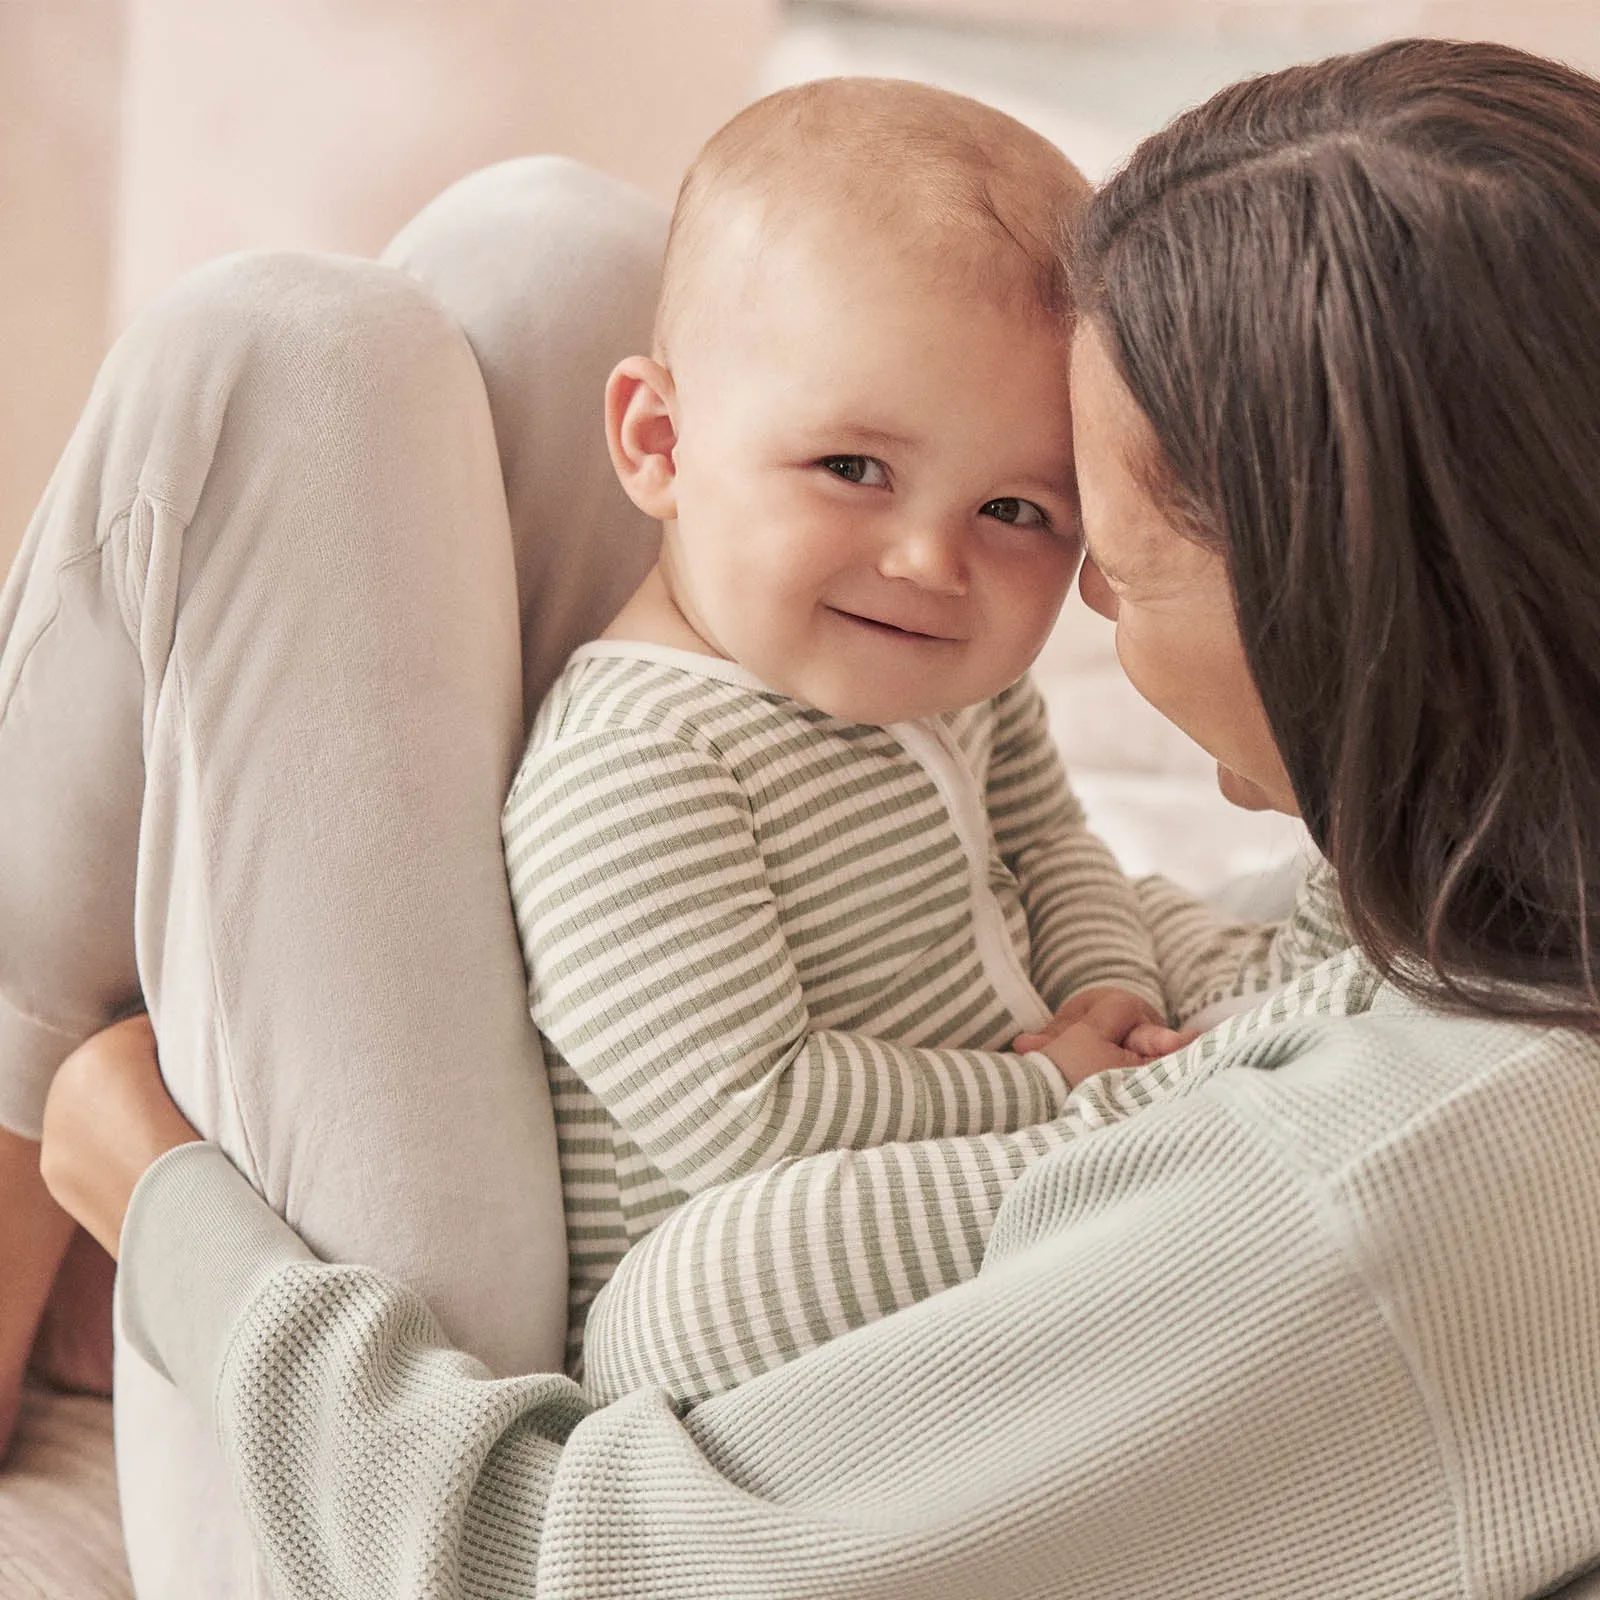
1208,958
658,968
1084,919
1166,1380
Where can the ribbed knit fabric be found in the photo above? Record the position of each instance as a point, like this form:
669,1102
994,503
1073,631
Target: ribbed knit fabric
1211,963
1327,1324
753,931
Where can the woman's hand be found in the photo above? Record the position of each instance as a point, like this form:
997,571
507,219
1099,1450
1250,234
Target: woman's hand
107,1119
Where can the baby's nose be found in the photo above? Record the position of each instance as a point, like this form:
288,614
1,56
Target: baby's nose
930,556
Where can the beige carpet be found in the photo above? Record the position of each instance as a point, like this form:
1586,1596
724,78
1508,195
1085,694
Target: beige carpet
59,1534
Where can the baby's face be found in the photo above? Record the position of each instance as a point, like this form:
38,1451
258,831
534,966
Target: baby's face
876,511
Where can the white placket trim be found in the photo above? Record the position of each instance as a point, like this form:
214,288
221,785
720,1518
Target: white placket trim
930,745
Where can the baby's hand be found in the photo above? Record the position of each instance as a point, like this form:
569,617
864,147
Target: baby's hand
1109,1013
1101,1028
1079,1052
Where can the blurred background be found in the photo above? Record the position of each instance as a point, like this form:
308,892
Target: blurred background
139,137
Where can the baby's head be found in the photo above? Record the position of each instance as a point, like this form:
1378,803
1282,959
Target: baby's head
854,426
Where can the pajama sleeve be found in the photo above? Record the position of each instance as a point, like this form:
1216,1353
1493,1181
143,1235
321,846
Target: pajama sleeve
747,1276
1084,918
1209,958
658,968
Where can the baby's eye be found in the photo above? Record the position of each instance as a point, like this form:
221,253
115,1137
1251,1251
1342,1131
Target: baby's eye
857,469
1021,513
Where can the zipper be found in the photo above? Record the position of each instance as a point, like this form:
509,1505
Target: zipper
930,745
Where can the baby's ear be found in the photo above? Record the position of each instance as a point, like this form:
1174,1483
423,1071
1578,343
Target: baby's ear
642,434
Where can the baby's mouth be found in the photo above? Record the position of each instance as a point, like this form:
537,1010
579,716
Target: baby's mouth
893,630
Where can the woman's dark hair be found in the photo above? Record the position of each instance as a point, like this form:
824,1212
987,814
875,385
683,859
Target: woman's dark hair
1359,302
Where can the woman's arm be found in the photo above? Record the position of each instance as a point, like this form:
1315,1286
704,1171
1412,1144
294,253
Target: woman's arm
747,1276
107,1119
1166,1380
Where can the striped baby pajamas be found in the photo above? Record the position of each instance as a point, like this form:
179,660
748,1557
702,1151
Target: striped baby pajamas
754,931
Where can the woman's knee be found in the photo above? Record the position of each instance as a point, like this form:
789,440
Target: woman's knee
547,209
282,354
312,326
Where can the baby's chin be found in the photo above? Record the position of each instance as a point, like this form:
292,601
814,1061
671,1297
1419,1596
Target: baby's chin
874,699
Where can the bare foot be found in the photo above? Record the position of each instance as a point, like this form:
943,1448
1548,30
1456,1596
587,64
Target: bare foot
72,1350
34,1235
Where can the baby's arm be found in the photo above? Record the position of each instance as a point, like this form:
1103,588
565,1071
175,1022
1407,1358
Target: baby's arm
1209,958
1084,918
751,1274
659,970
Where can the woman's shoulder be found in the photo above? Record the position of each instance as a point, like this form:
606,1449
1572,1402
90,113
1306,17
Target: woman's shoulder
1401,1080
1419,1187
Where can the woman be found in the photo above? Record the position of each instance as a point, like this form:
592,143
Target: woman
1324,1323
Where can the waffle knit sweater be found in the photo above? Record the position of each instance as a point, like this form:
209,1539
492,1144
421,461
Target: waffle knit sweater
1326,1322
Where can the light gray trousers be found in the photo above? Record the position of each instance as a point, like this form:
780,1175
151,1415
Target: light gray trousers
262,688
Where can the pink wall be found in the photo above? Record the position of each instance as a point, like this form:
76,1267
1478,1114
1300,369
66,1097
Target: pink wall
139,137
328,122
58,111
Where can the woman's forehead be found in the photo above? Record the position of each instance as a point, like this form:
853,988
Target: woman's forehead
1112,442
1130,534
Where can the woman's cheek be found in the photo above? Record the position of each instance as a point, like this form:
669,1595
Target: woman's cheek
1140,662
1168,669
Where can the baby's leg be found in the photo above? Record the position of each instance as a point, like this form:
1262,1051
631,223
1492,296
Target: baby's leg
267,616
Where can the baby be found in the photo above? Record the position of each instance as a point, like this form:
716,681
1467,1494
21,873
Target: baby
793,858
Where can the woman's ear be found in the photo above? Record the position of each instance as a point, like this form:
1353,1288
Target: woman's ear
643,434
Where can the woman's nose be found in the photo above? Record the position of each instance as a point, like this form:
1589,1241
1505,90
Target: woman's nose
1097,593
931,557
